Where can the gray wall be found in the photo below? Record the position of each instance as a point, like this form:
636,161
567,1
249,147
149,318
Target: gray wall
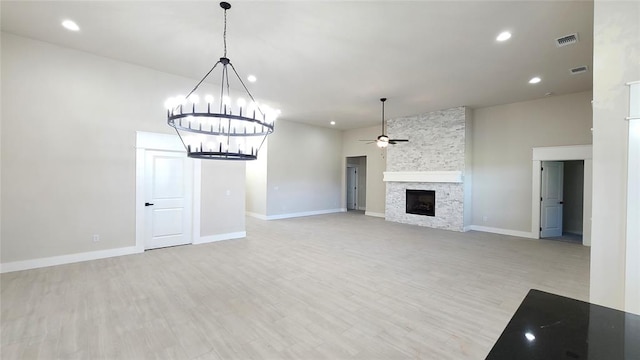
468,168
503,138
222,197
69,123
302,172
256,185
573,196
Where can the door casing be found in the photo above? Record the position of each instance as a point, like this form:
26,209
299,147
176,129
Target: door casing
559,153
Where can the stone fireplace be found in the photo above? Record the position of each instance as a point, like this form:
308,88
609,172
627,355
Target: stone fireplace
436,160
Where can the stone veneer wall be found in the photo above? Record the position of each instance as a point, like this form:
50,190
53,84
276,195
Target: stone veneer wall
436,143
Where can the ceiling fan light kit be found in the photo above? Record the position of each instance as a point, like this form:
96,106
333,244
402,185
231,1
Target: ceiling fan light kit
382,141
217,128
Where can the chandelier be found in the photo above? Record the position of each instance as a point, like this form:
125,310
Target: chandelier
218,128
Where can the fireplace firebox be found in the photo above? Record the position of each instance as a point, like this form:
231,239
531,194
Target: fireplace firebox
421,202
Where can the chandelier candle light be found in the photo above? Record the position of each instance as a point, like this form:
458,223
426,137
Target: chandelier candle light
218,128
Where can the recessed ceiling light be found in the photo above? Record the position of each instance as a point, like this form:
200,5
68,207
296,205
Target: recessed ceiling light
529,336
535,80
251,78
70,25
333,123
504,36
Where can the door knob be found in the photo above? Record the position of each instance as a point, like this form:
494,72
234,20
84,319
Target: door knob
561,202
147,204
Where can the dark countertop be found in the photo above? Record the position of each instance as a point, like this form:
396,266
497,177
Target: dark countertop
549,326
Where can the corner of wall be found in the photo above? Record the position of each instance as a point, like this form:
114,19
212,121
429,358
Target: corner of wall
468,167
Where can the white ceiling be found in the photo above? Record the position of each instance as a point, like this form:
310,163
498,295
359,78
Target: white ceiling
319,61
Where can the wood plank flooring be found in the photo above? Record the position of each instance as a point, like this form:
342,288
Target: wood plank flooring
339,286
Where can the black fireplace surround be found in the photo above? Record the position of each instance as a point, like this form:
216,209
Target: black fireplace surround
421,202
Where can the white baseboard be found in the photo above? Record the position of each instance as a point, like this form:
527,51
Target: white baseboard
466,228
295,215
66,259
509,232
100,254
220,237
371,213
256,215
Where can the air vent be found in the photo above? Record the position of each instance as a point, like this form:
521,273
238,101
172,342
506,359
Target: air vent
567,40
578,70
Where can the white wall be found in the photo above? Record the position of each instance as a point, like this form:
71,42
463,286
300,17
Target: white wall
303,170
632,275
68,148
503,137
616,61
376,165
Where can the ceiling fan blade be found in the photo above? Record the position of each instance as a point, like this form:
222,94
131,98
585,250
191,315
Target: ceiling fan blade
370,141
398,140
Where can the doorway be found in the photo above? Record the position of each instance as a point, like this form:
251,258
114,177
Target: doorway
356,190
562,200
352,187
573,219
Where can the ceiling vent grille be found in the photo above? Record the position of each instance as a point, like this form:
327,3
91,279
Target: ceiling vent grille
579,70
567,40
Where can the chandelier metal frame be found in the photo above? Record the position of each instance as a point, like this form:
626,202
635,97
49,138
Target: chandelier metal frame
227,129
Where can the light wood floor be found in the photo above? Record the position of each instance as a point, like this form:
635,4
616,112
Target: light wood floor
337,286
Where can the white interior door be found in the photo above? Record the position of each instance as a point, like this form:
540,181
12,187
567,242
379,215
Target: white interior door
168,199
551,200
352,188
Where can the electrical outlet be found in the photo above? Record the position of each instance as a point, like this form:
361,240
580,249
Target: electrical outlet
485,218
96,237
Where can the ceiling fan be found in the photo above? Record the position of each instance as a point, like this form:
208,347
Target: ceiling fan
383,140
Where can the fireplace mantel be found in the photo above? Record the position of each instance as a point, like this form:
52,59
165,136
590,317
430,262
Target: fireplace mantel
423,176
